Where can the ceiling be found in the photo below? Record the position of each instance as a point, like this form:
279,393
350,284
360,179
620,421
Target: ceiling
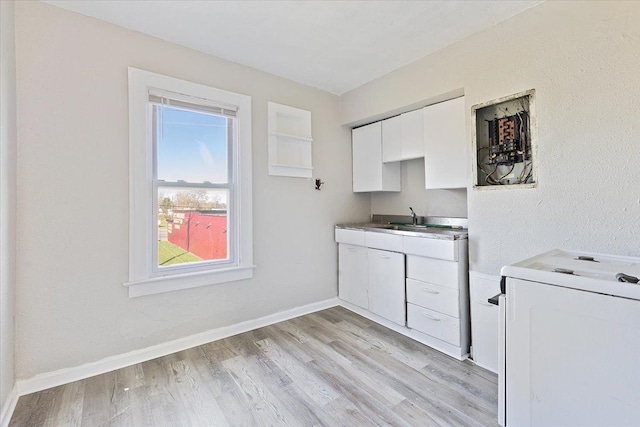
331,45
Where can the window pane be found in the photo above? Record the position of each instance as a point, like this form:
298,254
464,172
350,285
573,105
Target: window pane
191,146
192,225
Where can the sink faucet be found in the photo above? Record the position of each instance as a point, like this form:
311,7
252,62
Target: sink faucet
414,217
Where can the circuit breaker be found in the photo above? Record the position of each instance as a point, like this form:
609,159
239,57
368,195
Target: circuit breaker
507,140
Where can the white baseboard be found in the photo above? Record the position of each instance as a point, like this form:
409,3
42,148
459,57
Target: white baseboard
8,407
67,375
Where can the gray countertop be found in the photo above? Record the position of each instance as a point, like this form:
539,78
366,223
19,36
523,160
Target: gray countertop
409,230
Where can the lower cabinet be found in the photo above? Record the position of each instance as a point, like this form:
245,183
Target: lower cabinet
386,285
353,283
419,284
484,321
438,301
372,279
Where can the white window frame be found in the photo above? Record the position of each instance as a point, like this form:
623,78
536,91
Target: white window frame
144,276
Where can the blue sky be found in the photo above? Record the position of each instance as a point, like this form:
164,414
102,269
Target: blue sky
191,146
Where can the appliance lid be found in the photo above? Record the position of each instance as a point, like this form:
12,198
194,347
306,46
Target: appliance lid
580,270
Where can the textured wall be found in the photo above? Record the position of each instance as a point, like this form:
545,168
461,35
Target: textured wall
73,163
582,58
7,198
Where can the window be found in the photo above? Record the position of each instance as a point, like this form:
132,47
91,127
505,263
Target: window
190,185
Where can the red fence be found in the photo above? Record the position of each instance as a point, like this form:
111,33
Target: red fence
203,233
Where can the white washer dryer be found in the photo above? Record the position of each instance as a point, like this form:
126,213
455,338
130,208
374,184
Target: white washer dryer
570,341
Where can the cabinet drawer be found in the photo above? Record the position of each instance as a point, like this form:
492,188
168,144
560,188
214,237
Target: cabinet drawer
438,325
352,237
388,242
432,248
435,271
434,297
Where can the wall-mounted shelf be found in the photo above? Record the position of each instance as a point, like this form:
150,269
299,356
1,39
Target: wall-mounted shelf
290,141
277,165
285,135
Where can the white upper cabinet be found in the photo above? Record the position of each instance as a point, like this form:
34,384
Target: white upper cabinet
392,139
445,146
369,173
402,137
412,135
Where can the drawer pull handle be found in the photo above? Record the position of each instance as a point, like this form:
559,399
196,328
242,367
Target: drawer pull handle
484,303
385,257
352,249
431,291
428,316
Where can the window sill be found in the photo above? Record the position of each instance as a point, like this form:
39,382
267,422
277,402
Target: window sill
176,282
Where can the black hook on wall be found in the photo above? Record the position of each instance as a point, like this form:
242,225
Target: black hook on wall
319,183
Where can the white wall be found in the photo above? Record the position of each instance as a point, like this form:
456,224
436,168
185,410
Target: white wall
7,198
582,58
452,203
73,205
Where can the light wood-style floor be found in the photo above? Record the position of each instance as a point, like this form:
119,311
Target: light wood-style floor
330,368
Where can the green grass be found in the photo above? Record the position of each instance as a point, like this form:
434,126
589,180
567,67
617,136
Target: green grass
169,254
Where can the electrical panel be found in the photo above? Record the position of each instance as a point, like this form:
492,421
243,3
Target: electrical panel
504,141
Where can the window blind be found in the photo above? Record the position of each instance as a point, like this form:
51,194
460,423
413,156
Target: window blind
176,100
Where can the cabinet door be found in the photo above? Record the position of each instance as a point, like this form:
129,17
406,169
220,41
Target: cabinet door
403,137
392,139
412,135
484,322
367,158
353,275
445,145
369,173
386,285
